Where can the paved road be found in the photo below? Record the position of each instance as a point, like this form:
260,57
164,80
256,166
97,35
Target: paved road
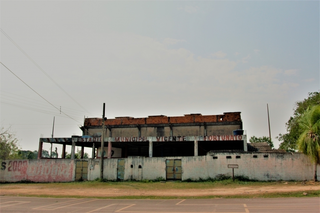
259,205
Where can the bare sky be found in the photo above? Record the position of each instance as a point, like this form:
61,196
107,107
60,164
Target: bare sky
154,57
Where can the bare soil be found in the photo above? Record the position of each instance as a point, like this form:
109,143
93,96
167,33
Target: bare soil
153,189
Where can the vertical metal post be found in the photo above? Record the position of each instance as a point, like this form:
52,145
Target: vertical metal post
102,143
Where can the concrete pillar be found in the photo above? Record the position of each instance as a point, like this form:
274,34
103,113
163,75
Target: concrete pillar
40,149
195,148
109,149
63,151
205,130
93,150
82,152
73,148
245,145
150,149
139,131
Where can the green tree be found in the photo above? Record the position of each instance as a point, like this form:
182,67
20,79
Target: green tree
289,139
77,155
309,140
9,148
45,154
254,139
27,154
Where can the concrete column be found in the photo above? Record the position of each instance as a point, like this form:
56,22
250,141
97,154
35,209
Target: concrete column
109,149
63,151
195,148
73,150
82,152
40,149
245,146
139,131
150,149
205,129
93,151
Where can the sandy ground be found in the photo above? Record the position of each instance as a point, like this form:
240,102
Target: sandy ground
35,189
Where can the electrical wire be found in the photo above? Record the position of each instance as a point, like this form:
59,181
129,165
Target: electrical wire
38,93
34,104
41,69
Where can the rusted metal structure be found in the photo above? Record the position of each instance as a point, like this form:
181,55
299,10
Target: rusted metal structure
157,136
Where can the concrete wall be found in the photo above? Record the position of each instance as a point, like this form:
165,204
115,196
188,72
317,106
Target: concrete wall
46,170
259,166
264,167
109,169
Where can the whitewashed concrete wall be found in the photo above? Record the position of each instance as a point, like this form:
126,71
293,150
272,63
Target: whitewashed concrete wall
265,167
45,170
109,169
274,167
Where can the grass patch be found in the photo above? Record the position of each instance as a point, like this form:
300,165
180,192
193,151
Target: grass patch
315,193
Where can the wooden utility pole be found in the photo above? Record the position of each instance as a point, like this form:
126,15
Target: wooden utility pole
102,142
52,136
269,123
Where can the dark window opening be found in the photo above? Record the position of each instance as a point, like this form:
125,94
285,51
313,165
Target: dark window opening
140,167
255,156
228,157
266,156
214,157
238,157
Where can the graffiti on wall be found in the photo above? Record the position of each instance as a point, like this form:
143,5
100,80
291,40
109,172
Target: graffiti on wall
37,170
13,166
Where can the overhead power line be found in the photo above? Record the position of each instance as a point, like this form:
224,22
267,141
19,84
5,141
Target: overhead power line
38,93
41,69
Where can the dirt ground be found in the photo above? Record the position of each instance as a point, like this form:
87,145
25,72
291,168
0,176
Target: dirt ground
114,191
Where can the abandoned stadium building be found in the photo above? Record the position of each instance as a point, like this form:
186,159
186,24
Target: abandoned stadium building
192,146
158,136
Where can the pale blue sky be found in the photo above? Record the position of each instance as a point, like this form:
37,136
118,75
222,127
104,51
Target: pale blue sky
161,57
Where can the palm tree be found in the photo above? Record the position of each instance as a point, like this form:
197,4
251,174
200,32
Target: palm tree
309,140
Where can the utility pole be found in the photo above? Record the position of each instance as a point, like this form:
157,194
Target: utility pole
102,142
52,136
269,123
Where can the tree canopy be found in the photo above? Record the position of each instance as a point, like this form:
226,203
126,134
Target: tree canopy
9,147
289,139
255,139
309,140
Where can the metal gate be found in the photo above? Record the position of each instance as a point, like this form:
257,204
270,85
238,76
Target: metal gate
174,170
81,170
120,169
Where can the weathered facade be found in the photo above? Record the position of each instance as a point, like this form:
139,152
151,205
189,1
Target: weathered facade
192,147
158,136
258,166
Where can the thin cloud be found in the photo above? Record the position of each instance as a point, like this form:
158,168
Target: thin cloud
310,80
219,54
172,41
190,9
291,72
